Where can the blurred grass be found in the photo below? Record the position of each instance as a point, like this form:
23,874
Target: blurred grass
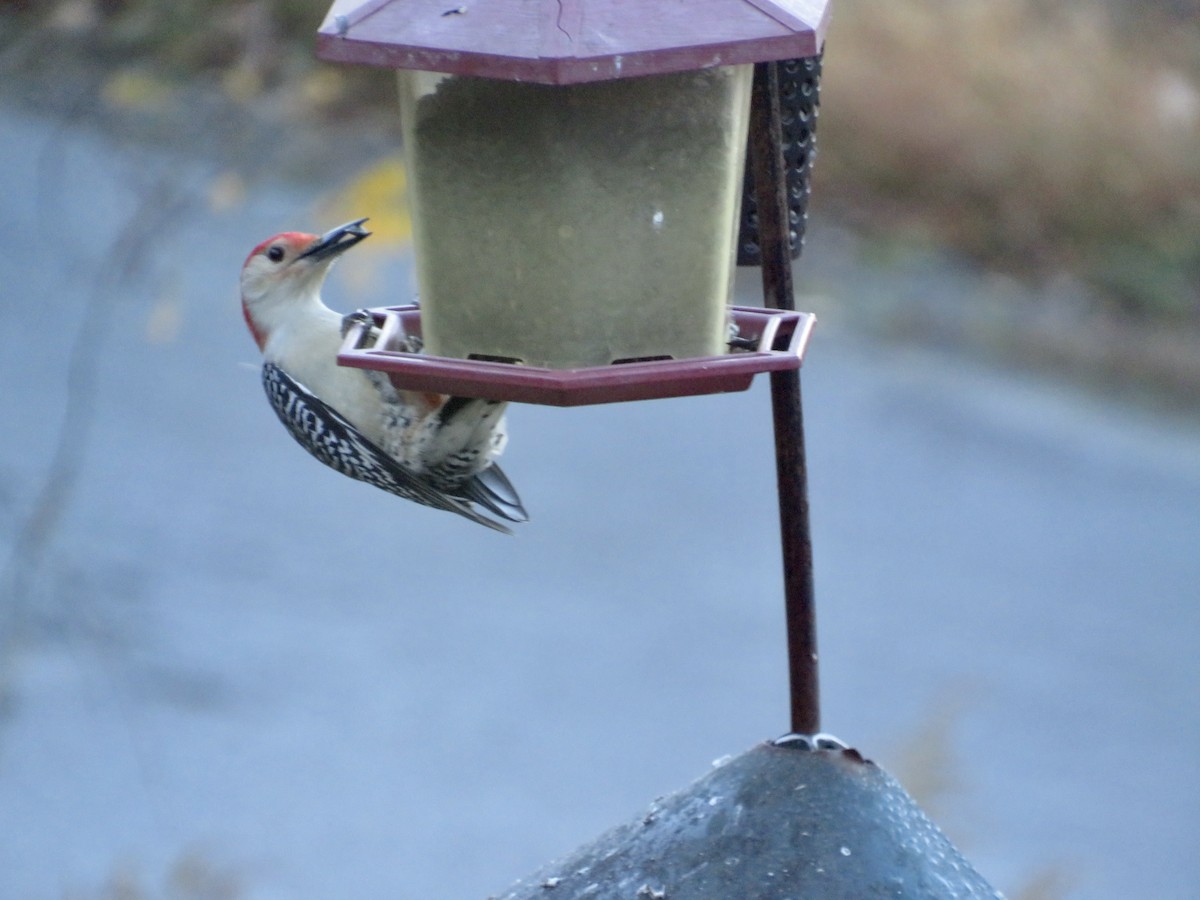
194,875
1033,136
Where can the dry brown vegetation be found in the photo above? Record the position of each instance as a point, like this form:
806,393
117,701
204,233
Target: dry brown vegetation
1031,135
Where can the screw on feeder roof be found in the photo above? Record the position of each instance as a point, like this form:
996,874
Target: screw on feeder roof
569,41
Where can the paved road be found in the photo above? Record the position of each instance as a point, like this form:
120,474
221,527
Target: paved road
221,658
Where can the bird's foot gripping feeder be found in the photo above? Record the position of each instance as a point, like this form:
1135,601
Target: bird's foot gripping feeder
767,341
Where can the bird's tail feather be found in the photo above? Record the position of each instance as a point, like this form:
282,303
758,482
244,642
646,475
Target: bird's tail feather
492,490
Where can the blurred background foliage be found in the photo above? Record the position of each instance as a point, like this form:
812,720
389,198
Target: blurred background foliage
1033,137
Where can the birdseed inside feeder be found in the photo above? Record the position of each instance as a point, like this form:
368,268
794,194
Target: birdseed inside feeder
576,225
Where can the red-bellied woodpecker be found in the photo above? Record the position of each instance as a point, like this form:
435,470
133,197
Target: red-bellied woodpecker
436,450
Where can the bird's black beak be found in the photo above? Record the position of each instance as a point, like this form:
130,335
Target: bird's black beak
334,242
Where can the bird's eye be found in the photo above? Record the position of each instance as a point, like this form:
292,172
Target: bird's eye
275,254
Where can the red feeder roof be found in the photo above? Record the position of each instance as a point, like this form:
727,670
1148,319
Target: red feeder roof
569,41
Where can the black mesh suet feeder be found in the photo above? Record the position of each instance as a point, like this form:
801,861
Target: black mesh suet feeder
584,177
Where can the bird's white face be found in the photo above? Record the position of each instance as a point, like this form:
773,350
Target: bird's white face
276,276
277,263
285,272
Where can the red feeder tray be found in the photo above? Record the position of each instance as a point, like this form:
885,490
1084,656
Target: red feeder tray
775,341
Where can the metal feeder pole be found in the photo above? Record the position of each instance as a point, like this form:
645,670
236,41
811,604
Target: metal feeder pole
774,237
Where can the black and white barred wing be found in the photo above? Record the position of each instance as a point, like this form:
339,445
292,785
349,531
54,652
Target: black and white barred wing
325,433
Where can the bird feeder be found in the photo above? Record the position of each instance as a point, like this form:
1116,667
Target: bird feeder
576,173
577,170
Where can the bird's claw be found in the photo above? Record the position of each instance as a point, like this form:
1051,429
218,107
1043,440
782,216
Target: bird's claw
736,341
411,343
358,317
